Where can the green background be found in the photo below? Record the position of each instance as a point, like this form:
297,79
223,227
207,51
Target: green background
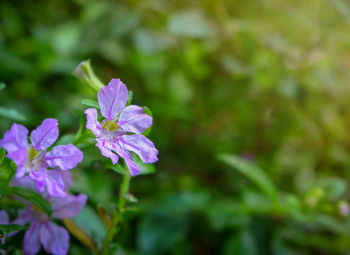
267,81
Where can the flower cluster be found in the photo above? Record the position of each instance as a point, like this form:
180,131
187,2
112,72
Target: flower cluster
45,169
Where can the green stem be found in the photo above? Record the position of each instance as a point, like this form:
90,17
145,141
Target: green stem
117,216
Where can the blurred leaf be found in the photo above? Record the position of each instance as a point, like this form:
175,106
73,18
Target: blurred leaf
32,197
89,222
190,23
2,86
80,235
90,103
130,198
241,243
145,168
333,187
5,229
65,139
253,172
160,232
12,114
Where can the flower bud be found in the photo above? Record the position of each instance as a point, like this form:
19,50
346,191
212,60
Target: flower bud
85,74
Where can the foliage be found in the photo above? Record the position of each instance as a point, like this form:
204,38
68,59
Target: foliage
265,83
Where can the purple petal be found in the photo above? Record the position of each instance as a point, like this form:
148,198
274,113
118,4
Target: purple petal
69,206
106,151
55,239
15,138
112,98
132,119
52,180
134,168
141,145
23,217
4,217
45,135
31,241
25,182
64,156
19,156
91,121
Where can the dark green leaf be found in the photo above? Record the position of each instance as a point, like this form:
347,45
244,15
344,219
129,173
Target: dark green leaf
5,229
32,197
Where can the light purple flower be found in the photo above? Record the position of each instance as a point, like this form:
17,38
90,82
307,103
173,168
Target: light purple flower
42,231
34,159
121,130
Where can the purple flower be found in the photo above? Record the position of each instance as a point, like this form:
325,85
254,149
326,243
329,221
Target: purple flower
43,231
122,129
34,160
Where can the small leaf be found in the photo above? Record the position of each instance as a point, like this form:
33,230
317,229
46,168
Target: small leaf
2,154
130,198
148,112
90,103
145,168
11,114
129,98
5,229
32,197
253,172
117,167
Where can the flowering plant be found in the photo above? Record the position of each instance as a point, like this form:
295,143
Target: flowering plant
38,175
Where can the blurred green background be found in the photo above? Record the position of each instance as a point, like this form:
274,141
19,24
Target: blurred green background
251,106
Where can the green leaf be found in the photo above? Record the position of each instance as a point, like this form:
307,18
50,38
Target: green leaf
129,98
149,112
7,171
12,114
251,171
32,197
5,229
2,86
117,167
91,224
2,154
90,103
145,168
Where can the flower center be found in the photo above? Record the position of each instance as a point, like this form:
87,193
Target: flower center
35,160
110,125
38,214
